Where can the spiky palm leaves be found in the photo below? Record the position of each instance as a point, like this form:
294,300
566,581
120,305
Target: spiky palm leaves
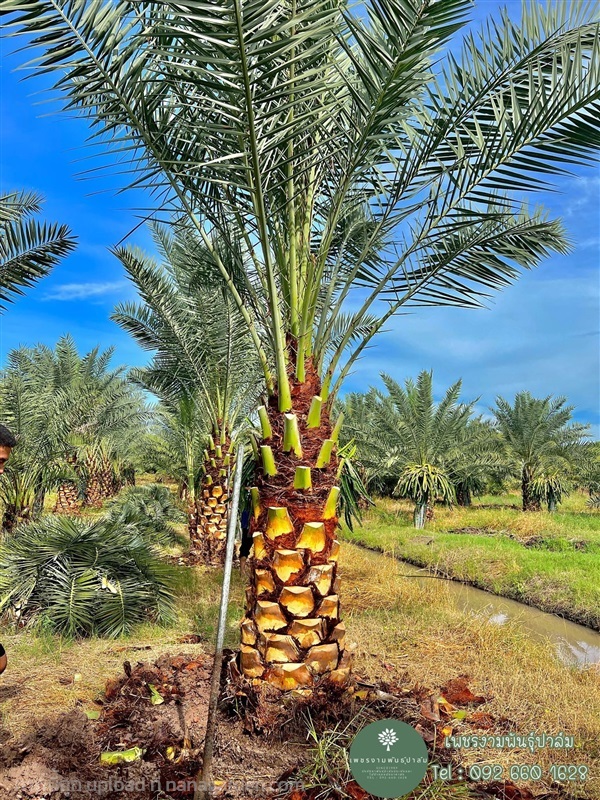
28,249
539,440
174,446
353,162
84,577
151,508
204,370
408,440
66,410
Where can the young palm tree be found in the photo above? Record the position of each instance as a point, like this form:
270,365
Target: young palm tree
476,459
358,164
28,249
204,369
418,441
175,446
539,440
65,409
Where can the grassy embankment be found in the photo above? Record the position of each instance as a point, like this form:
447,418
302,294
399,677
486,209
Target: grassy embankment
551,561
404,632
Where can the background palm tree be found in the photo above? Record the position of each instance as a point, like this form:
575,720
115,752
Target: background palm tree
476,460
417,440
539,441
74,417
357,163
28,249
174,446
204,370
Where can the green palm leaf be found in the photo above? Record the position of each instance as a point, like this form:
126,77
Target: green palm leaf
28,249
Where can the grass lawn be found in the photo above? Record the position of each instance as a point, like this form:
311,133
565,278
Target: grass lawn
551,561
405,632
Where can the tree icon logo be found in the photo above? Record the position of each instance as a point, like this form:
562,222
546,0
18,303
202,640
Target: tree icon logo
387,738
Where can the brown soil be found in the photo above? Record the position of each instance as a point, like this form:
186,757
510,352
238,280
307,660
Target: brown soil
475,531
60,758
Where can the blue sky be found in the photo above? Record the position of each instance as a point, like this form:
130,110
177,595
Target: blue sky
540,334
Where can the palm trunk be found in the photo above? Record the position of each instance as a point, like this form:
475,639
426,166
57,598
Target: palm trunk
419,515
552,503
292,635
530,501
109,486
463,496
192,517
67,500
93,489
209,543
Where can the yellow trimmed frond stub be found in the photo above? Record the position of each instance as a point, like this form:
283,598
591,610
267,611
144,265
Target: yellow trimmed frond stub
325,453
280,648
321,576
265,425
313,537
313,420
298,600
251,662
330,510
258,541
338,634
287,563
302,478
255,498
307,632
249,632
278,522
264,582
322,657
290,676
329,607
268,460
268,616
335,551
291,435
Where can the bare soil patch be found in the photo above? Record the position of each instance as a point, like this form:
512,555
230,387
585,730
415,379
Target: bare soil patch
160,708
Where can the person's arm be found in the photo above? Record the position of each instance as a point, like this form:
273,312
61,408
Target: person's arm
3,659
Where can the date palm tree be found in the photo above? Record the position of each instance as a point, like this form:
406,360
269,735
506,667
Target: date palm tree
175,446
204,370
73,416
28,249
541,443
362,167
419,442
476,460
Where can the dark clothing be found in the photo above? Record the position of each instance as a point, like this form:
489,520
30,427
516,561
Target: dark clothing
246,542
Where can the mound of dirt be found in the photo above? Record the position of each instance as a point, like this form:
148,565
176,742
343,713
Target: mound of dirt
157,714
159,708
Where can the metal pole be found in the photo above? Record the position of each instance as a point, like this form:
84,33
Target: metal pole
204,779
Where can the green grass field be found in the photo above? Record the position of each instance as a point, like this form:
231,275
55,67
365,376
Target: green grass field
551,561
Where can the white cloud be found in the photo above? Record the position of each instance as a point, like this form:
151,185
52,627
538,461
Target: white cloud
82,291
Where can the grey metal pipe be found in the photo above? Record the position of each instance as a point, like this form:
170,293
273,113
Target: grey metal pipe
204,778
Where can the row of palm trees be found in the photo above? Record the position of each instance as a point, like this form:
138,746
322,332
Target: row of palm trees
410,446
77,423
325,153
